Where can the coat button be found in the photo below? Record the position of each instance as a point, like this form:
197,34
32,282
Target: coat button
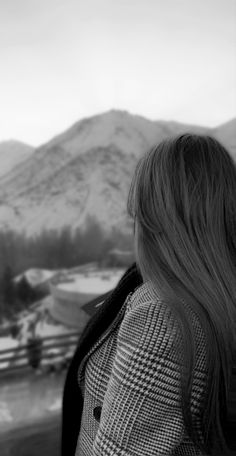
97,413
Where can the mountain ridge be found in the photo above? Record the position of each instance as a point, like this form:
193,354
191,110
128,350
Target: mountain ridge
86,171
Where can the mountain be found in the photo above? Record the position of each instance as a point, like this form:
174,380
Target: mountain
85,171
11,154
226,134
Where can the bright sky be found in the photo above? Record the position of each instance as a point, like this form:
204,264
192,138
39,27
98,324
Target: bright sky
62,60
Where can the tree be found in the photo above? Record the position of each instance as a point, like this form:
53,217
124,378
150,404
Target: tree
8,290
24,291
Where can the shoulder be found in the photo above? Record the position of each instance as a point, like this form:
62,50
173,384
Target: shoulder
148,320
145,300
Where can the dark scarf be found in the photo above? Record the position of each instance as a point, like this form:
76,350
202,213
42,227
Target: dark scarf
72,403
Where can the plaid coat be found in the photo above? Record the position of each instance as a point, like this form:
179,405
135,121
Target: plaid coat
128,397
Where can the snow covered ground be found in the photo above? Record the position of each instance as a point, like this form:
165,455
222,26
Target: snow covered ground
27,399
5,344
40,322
39,392
97,282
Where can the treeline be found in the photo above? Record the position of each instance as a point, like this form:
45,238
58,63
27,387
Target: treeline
53,249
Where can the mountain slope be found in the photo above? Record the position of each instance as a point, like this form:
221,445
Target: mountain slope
226,133
12,153
85,171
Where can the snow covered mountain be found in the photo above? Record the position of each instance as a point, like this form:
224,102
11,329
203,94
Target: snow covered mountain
226,133
12,153
85,171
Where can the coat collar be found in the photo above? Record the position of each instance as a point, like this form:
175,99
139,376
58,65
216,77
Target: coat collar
108,310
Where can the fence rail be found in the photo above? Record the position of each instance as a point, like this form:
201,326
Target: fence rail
49,351
45,352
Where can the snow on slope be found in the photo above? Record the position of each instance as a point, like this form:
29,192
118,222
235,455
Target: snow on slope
12,153
39,320
85,171
226,134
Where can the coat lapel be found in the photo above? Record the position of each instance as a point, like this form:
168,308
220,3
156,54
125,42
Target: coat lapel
72,402
107,311
116,321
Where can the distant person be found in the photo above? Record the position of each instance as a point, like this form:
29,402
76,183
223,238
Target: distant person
152,374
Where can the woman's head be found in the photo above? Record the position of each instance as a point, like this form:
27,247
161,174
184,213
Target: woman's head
182,198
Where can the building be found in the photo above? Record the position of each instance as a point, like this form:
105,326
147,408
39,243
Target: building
74,294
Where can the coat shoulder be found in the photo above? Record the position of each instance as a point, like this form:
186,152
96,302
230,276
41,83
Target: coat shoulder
146,299
148,318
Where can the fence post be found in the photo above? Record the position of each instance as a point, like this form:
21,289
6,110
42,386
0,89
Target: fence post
34,351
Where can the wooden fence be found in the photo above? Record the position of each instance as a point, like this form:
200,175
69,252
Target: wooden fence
42,352
46,352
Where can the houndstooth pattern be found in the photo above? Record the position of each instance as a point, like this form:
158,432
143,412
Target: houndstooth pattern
133,373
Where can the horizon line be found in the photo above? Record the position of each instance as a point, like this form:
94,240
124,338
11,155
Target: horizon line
116,110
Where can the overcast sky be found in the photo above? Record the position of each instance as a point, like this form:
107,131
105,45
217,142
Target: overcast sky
62,60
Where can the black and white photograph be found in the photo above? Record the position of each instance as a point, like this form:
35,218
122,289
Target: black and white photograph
118,228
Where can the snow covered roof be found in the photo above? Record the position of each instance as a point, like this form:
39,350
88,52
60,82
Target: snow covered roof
36,276
97,282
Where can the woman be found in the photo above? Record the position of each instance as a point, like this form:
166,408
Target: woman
152,374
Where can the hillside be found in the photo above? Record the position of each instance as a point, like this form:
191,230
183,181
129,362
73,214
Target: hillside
85,171
12,153
226,134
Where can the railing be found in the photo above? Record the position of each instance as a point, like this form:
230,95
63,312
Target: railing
40,352
45,352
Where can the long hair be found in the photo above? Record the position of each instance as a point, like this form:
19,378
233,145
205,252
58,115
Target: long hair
183,200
